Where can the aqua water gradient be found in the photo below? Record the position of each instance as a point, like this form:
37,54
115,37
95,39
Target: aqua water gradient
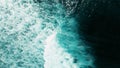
40,35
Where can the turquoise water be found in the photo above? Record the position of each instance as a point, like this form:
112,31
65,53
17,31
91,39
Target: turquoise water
40,35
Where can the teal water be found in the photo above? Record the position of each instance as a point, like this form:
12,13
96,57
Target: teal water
40,35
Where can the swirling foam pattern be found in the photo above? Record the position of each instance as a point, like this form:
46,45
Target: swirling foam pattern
39,35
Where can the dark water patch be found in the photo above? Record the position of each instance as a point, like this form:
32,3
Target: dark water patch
99,24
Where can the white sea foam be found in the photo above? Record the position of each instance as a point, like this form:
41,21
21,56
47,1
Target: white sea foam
39,35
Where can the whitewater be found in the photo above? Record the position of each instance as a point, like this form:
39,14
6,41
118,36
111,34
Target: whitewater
40,35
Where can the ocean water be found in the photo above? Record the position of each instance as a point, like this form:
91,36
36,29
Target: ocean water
41,34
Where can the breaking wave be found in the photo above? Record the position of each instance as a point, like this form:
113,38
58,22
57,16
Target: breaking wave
40,35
